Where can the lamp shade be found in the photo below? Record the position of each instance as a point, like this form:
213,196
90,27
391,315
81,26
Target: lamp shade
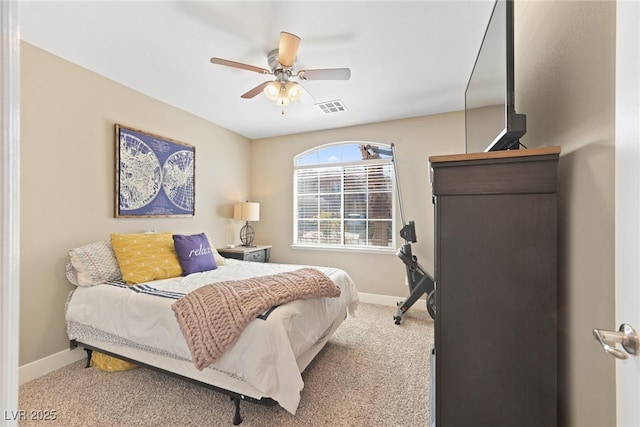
293,91
246,211
272,90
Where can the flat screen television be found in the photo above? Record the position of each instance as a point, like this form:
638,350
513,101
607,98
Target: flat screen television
491,121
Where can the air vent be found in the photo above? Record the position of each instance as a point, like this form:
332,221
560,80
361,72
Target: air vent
331,107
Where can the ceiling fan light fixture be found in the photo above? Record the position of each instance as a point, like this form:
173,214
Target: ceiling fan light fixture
283,93
294,91
272,91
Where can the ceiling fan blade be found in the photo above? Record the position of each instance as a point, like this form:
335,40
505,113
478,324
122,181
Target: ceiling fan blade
255,91
325,74
240,65
288,49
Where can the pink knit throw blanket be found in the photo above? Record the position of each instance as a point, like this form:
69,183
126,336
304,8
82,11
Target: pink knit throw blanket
212,317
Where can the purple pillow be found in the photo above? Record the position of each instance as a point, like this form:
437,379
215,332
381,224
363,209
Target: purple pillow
194,253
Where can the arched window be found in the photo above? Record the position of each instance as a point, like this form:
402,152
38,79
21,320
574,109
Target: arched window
344,196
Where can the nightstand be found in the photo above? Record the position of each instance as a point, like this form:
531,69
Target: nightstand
259,253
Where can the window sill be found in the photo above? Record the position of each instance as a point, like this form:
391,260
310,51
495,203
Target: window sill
352,249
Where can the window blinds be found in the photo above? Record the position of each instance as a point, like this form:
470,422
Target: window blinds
344,205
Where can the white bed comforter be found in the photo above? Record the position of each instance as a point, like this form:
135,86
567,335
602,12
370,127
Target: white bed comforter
264,356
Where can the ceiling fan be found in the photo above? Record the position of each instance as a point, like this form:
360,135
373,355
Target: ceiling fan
281,61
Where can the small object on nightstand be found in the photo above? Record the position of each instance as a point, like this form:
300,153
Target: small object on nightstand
259,253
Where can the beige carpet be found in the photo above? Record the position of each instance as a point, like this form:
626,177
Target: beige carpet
371,373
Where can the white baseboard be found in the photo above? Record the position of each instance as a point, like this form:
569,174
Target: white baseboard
389,300
43,366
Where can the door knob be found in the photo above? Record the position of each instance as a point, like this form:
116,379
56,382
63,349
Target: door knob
626,336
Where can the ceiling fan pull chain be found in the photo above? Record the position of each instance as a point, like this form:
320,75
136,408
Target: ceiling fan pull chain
282,99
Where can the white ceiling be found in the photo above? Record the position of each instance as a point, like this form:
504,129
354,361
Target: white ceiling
407,58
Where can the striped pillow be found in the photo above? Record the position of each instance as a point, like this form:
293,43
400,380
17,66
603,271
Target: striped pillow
92,264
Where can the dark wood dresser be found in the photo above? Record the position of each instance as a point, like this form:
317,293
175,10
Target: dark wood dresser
496,288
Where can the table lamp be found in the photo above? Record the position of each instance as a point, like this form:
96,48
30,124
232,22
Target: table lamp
246,211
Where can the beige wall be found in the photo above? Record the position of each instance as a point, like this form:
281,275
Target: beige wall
565,66
483,121
415,140
67,172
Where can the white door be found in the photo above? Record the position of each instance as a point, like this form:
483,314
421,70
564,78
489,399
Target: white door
628,203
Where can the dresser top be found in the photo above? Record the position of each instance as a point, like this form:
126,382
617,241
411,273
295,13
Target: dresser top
544,151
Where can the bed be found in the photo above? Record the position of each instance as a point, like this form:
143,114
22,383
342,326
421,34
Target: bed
139,322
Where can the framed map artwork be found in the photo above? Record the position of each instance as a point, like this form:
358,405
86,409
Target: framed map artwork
155,176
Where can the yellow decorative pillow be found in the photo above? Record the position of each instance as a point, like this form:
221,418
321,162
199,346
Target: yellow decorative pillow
109,363
143,257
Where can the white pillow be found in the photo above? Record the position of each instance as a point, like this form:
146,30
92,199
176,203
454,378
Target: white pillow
92,264
220,260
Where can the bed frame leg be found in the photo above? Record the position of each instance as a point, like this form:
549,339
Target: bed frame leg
89,353
237,419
